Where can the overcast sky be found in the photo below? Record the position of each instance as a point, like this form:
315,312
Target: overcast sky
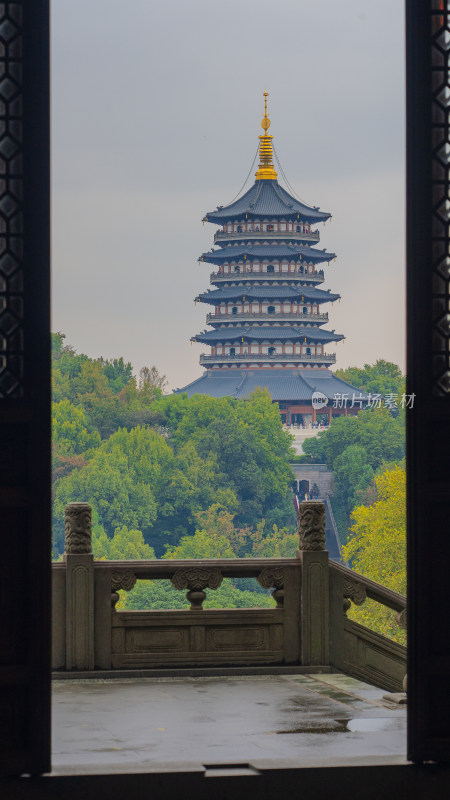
156,117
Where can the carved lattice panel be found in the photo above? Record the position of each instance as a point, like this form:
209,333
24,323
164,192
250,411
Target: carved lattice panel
440,119
11,197
25,456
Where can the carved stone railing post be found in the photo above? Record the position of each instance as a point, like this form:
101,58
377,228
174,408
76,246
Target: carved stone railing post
79,587
315,584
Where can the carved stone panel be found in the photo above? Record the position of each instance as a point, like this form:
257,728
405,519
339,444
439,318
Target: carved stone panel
78,528
353,591
122,579
401,618
373,658
238,638
271,576
311,525
197,578
148,639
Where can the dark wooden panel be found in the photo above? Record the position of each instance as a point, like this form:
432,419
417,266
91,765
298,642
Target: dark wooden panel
14,592
428,377
25,387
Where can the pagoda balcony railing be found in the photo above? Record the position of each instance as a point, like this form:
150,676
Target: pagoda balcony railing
312,236
285,316
231,277
306,626
263,357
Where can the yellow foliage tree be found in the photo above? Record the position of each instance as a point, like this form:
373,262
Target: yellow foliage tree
377,549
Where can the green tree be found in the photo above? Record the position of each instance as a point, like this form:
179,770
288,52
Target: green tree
106,389
151,382
352,474
201,545
70,433
117,372
135,479
216,519
245,438
109,485
383,377
163,461
280,543
124,545
381,435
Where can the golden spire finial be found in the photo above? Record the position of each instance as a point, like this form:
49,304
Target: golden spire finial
266,170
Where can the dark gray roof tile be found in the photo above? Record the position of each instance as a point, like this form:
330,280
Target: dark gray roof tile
234,252
267,199
282,384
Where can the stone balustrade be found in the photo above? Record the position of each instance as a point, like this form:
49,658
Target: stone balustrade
307,626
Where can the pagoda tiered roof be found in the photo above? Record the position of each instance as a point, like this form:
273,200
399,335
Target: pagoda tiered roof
266,199
297,385
275,333
283,292
292,251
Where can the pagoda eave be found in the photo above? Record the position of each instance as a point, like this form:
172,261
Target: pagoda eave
273,293
268,252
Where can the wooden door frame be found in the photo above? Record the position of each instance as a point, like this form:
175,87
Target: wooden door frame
24,408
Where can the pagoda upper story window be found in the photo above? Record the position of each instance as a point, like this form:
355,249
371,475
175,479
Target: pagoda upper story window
270,268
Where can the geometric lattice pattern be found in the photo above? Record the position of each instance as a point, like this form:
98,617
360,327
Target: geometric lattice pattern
440,120
11,212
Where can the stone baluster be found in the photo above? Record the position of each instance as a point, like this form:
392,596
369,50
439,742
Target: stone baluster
79,587
121,579
269,578
196,579
315,584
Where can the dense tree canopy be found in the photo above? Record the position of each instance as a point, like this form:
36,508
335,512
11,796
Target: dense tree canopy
247,441
376,430
383,377
106,390
157,464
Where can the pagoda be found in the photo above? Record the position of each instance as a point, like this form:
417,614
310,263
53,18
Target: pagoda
268,310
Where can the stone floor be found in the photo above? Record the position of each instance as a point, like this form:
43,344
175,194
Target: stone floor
152,724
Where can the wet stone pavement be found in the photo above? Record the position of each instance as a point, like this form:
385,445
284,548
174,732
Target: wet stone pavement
150,724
